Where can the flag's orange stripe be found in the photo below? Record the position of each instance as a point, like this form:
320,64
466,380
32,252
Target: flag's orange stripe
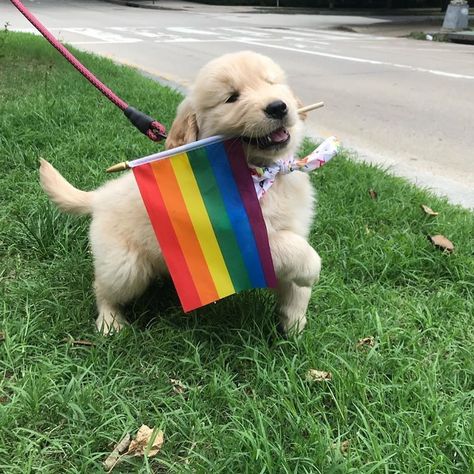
183,226
166,235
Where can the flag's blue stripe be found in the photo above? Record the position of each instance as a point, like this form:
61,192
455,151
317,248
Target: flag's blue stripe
217,156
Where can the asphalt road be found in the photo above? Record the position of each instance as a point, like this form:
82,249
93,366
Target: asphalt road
406,104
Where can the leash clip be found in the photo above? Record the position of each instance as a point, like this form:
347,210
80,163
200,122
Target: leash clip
147,125
156,131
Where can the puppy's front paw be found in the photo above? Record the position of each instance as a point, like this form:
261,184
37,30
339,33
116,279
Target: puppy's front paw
291,328
109,323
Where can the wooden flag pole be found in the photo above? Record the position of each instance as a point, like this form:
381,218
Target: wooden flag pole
125,166
308,108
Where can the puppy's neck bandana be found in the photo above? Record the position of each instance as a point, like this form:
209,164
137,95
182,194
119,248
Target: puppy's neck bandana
264,177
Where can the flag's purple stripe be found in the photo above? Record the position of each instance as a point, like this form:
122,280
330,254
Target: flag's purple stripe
238,163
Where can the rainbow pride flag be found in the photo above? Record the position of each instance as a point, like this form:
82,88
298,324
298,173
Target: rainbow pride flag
203,207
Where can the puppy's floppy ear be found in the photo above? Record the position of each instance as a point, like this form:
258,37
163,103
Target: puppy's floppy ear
184,129
300,104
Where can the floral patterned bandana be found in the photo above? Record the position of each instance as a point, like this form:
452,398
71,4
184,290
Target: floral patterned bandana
264,177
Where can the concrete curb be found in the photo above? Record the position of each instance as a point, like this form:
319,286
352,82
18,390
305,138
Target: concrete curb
465,37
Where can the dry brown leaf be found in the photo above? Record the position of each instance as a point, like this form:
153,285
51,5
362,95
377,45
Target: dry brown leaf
3,399
178,386
314,375
116,454
429,211
373,194
138,446
345,446
441,242
2,336
366,342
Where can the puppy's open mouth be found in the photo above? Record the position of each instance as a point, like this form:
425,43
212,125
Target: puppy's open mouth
274,140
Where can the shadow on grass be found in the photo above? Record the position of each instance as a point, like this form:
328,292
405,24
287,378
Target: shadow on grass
160,305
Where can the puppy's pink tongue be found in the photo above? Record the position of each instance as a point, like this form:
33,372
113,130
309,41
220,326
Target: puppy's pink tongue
279,135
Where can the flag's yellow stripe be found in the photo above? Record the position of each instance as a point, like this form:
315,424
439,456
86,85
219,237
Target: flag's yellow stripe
202,224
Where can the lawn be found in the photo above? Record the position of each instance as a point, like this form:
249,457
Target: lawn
401,405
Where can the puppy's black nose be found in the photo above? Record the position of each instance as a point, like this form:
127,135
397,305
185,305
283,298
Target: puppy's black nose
276,109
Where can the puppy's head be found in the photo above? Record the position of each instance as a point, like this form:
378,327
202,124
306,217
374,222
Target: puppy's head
242,94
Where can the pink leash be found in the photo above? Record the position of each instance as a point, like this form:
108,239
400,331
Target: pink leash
150,127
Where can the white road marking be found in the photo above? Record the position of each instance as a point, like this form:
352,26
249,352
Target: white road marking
219,34
186,30
246,32
136,31
295,38
361,60
196,40
102,35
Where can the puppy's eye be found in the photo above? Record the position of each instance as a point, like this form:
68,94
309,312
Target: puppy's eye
232,98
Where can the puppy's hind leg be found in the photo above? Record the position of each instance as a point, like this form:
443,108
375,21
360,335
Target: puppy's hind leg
297,266
121,275
110,318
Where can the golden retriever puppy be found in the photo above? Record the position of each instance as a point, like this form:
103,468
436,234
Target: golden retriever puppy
241,94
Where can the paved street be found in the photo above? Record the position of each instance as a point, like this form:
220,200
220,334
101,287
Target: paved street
406,104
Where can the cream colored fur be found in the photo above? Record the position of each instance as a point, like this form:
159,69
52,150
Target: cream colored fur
126,254
64,195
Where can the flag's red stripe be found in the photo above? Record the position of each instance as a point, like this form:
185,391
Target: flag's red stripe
166,235
238,163
185,231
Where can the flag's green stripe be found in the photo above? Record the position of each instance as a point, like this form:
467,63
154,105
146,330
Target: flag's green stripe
219,219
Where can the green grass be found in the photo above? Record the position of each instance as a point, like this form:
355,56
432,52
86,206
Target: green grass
406,404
